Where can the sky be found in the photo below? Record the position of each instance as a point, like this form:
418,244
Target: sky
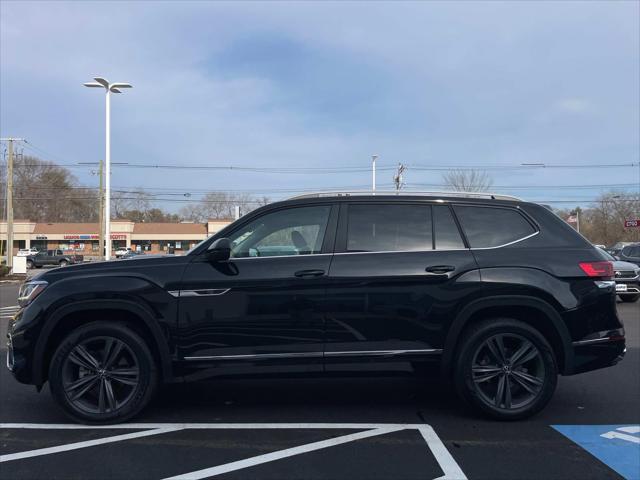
323,86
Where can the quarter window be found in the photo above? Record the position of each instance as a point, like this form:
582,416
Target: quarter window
294,231
382,228
492,227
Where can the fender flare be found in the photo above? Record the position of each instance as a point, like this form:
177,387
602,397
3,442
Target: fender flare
469,310
159,339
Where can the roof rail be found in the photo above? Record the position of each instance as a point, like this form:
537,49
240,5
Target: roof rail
336,193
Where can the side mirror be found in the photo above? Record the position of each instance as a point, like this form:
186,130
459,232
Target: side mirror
220,250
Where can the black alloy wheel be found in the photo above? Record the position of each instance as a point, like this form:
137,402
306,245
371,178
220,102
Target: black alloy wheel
102,373
506,369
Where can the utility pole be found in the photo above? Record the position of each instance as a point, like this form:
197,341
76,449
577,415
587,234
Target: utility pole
373,171
397,178
9,248
101,213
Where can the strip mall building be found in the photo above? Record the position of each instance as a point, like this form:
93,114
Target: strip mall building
83,238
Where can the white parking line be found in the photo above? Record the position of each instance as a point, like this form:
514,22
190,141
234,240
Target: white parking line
448,465
288,452
88,443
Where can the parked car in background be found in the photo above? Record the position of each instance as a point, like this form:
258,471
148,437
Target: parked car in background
27,251
59,258
617,248
122,251
131,254
627,277
500,294
630,253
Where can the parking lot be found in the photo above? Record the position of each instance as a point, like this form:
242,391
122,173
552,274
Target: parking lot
350,428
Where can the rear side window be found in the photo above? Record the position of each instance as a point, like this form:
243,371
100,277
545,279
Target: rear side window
492,227
384,228
631,251
445,228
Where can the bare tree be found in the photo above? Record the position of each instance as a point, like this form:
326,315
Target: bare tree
467,180
603,222
221,205
44,192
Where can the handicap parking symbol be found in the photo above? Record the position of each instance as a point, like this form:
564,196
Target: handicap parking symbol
617,446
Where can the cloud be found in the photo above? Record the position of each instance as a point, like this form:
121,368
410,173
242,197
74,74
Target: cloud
574,105
323,84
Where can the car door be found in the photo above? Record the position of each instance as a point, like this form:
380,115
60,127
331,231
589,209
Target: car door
398,271
265,304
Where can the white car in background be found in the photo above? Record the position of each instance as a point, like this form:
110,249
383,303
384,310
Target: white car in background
122,251
25,252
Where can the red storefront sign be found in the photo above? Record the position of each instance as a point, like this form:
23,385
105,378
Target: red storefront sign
114,236
632,223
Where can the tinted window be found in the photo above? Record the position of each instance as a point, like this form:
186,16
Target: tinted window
492,227
293,231
445,228
382,228
631,251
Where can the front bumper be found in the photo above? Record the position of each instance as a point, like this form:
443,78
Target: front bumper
627,287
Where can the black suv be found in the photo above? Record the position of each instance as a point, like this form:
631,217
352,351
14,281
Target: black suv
501,294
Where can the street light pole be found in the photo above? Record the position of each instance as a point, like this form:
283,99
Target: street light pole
373,172
109,88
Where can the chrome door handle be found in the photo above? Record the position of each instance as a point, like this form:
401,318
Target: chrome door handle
309,273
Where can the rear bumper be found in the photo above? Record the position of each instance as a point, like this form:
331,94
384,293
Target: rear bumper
600,350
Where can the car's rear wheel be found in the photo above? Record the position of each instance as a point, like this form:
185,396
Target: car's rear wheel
629,298
63,263
506,369
102,373
29,264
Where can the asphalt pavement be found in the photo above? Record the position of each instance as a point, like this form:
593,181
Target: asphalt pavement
327,428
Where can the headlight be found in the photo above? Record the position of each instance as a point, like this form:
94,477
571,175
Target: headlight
29,291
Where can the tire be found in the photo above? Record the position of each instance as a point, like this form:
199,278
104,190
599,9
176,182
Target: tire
629,298
131,377
478,373
63,263
29,264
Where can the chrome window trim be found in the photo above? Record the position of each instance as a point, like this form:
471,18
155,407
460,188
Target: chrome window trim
279,256
509,243
353,353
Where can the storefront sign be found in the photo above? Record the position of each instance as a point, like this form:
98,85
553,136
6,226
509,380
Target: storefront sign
114,236
41,237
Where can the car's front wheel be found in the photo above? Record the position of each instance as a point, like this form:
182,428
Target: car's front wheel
506,369
102,373
29,264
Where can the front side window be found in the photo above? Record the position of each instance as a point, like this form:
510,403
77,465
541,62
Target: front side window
293,231
386,228
487,227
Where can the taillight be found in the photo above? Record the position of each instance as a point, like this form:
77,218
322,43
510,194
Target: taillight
597,269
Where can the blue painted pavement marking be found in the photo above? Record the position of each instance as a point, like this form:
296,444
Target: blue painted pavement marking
617,446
